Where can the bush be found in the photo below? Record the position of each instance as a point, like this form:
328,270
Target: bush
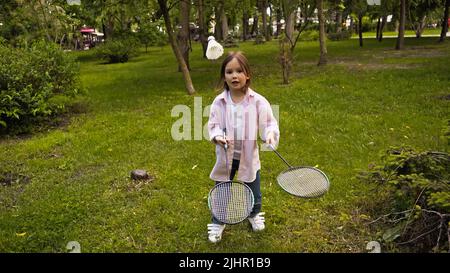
309,35
119,50
35,83
416,197
343,35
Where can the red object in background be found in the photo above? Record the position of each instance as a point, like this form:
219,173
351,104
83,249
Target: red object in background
87,30
448,22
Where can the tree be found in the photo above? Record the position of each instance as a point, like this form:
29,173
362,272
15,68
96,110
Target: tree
202,28
262,7
287,41
183,36
386,8
221,26
359,8
401,29
322,37
445,21
176,50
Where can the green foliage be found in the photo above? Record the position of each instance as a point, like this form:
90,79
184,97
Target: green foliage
309,35
35,83
260,39
416,186
118,50
150,35
230,42
413,175
343,35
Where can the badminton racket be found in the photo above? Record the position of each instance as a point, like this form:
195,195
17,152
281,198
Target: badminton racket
302,181
230,202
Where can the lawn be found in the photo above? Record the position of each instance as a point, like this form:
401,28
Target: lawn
72,183
426,32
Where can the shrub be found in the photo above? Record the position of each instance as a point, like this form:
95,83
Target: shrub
35,83
119,50
343,35
260,39
309,35
416,197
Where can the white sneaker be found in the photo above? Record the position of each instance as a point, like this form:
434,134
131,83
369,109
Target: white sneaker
215,232
257,221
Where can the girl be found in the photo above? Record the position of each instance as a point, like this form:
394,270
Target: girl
241,113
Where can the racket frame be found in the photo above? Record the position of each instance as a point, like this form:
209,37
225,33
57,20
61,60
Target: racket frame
290,167
231,183
303,167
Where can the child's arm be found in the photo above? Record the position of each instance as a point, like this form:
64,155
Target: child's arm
214,129
268,125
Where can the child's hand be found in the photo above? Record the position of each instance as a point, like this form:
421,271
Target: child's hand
270,138
220,140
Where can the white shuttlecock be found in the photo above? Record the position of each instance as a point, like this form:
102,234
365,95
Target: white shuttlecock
214,49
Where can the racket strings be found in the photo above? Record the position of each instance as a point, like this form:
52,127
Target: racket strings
231,202
304,182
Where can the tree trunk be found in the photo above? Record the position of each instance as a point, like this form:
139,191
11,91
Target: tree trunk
445,21
378,27
285,58
218,26
278,18
352,25
184,33
289,27
360,30
176,50
224,21
109,28
323,47
287,42
338,21
263,9
401,28
202,29
270,24
245,25
383,23
255,25
420,26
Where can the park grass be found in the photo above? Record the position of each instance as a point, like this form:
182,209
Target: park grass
73,183
427,31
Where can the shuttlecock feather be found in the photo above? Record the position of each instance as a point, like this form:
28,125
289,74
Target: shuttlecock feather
214,49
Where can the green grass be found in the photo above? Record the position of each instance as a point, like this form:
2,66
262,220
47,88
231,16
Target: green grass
427,31
338,117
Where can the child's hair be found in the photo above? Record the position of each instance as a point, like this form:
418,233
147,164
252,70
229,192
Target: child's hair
242,60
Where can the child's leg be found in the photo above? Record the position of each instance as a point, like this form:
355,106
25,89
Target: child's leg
214,219
255,186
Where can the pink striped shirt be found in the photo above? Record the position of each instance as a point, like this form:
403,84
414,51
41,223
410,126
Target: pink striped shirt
257,117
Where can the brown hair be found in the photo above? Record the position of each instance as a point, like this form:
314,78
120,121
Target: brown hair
243,62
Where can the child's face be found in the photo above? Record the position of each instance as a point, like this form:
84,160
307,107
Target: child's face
235,76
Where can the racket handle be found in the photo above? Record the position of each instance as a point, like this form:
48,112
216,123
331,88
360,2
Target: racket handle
279,155
225,146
